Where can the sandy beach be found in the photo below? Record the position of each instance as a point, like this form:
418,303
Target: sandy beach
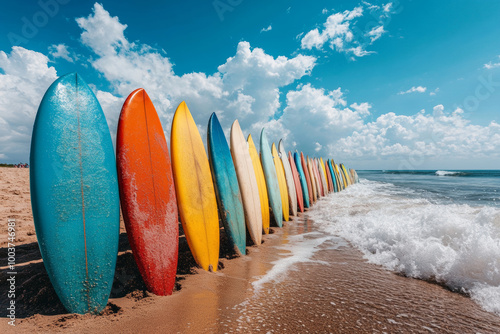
299,280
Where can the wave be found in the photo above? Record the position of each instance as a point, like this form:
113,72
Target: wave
447,173
433,172
454,245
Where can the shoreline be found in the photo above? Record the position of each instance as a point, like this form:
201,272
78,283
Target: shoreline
298,280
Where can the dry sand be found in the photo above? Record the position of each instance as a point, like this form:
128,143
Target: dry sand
335,291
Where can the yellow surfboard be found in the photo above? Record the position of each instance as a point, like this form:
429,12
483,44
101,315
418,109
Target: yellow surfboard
261,183
347,175
195,189
344,182
340,184
280,171
313,179
344,174
327,190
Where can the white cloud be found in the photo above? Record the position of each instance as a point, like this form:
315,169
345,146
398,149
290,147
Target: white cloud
492,65
102,33
433,93
418,89
344,34
315,115
337,26
269,28
376,33
60,51
313,39
26,78
361,109
246,86
387,7
424,136
324,11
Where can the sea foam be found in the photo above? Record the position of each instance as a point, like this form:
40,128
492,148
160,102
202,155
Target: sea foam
300,248
455,245
448,173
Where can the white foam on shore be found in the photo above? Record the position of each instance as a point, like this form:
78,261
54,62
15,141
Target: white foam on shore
302,247
457,245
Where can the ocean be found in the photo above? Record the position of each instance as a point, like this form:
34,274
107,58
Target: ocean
435,225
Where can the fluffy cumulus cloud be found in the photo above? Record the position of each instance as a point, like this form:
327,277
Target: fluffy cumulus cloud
246,86
422,136
418,89
314,118
350,31
26,76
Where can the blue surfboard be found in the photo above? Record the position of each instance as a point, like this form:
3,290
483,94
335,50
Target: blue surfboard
271,177
334,178
74,195
226,185
302,177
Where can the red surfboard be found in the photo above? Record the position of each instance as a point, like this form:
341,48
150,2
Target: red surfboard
296,181
147,192
308,178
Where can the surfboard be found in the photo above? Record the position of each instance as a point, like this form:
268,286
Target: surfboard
74,195
305,169
318,178
347,176
261,183
227,190
248,183
334,178
337,176
194,189
147,193
290,184
341,177
322,175
326,184
296,183
344,176
302,178
352,175
273,189
281,182
313,179
328,177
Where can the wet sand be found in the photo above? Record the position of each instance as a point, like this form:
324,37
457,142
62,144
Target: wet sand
299,280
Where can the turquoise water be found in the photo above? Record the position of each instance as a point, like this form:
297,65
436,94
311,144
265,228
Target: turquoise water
440,226
473,187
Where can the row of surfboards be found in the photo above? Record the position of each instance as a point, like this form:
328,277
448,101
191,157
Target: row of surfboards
77,187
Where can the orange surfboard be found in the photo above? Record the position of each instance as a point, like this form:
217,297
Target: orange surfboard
147,192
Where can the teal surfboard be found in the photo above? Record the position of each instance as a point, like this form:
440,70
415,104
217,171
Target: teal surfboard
74,195
226,185
302,177
273,189
334,179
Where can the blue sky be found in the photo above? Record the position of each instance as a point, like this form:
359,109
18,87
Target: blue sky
410,84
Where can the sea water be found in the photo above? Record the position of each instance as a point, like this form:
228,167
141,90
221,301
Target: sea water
440,226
